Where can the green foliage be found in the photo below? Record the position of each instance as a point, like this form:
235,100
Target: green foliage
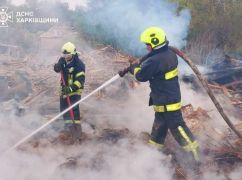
217,22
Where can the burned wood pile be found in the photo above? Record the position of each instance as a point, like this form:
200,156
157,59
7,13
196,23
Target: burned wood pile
28,81
102,64
226,77
36,86
221,150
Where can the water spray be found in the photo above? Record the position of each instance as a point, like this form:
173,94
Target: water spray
63,112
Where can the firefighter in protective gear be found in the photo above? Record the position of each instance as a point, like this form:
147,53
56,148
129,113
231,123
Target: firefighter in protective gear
159,67
73,70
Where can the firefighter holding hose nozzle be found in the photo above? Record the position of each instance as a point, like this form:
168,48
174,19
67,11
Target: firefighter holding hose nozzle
159,67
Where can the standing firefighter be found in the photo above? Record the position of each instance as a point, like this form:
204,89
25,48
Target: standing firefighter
159,67
72,71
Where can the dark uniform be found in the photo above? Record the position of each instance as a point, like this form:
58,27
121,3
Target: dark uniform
159,67
74,76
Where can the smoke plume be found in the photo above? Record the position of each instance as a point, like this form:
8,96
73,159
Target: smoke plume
71,3
120,22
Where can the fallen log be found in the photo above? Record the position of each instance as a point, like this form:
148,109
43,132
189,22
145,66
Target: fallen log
208,90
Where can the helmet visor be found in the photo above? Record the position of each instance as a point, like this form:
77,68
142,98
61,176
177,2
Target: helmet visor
65,52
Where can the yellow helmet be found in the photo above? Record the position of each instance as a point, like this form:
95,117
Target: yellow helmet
154,36
68,48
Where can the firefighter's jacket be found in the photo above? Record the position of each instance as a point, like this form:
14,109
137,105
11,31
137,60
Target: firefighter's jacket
159,67
74,75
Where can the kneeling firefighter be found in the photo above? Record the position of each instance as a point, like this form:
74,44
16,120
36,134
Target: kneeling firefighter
159,67
72,70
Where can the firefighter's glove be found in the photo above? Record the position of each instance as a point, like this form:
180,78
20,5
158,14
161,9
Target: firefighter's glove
58,66
132,67
66,90
124,71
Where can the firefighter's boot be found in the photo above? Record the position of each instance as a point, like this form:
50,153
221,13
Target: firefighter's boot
191,145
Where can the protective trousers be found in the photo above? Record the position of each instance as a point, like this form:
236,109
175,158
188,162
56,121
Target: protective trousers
174,121
73,129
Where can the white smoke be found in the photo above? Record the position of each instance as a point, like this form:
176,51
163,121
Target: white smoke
72,3
95,161
121,22
18,2
131,111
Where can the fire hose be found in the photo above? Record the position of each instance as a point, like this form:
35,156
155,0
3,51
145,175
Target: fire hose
180,54
201,79
208,90
68,100
63,112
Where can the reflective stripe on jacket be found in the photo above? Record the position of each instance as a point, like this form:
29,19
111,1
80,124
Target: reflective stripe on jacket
159,67
74,75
